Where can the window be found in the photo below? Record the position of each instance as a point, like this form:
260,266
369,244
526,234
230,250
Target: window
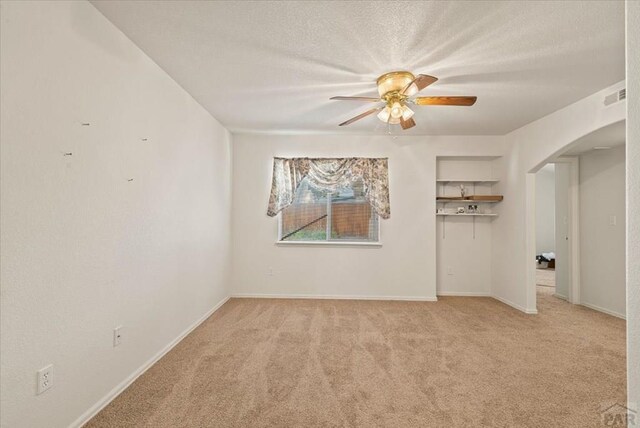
320,216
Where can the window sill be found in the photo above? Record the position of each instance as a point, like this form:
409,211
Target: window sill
329,244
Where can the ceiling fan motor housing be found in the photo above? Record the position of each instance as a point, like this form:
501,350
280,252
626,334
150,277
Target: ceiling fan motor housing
394,81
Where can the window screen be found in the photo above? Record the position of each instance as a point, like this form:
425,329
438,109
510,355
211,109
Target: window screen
316,215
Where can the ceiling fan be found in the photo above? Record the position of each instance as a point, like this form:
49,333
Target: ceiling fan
397,89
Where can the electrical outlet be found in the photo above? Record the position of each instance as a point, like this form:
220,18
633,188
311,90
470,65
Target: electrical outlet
45,378
449,270
270,271
613,220
117,336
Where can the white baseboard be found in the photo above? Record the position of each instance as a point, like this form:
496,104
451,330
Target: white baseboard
603,310
465,293
516,306
335,297
111,395
560,296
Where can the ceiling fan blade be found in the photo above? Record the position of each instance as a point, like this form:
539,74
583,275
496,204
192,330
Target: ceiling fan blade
406,124
367,99
421,82
360,116
445,101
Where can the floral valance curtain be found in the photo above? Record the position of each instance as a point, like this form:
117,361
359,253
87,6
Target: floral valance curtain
330,174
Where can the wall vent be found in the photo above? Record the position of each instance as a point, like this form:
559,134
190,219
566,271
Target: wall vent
615,97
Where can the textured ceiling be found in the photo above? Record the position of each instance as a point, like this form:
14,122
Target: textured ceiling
272,66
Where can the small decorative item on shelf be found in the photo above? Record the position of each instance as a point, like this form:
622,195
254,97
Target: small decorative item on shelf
440,211
472,209
460,210
463,191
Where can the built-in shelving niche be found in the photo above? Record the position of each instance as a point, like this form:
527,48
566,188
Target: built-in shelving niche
463,244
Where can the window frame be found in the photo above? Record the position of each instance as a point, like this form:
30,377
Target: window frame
330,242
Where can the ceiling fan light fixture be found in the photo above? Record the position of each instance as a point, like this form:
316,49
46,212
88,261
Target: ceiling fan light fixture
384,114
407,113
396,110
398,88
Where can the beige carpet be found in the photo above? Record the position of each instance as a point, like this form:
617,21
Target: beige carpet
541,289
546,277
460,362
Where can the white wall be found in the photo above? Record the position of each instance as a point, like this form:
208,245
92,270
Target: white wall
529,148
545,209
633,203
83,248
405,265
602,244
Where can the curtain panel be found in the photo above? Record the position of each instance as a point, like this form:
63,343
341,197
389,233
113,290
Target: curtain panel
330,174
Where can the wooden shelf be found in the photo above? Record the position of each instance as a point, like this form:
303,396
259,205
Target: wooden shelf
467,215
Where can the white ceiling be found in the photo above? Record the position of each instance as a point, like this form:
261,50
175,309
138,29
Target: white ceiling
272,66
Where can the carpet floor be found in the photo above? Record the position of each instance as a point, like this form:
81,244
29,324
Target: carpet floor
546,277
458,362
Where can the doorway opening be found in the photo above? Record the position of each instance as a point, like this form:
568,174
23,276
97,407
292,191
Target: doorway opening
579,251
553,229
546,230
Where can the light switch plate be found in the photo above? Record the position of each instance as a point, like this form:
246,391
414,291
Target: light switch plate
117,336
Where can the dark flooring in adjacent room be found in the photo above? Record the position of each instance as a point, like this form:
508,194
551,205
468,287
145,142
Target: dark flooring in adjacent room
460,362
